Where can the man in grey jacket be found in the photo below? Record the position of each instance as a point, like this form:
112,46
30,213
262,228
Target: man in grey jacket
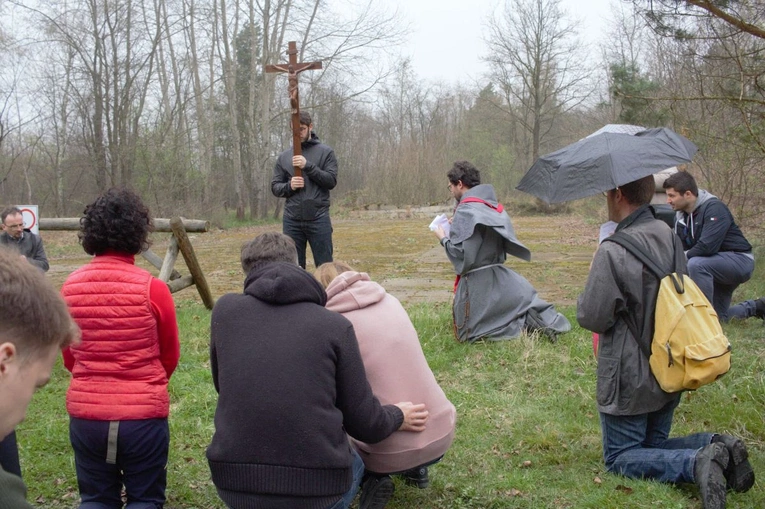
635,413
306,212
21,239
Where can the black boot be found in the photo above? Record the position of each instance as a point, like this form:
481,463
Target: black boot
739,475
708,474
759,308
417,477
376,491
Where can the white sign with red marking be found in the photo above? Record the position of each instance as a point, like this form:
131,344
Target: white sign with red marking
29,212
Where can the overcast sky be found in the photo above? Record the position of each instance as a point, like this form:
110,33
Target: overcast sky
446,40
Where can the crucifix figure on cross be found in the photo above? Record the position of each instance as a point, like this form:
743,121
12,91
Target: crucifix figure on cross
292,68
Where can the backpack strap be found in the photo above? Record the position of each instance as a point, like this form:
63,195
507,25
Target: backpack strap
634,248
637,251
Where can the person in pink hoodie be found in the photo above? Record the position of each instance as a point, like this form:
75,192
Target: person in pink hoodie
396,368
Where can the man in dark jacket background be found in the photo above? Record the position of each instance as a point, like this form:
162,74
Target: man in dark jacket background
290,385
21,239
719,256
635,413
306,211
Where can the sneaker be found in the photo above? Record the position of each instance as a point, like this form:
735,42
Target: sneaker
759,308
376,491
711,462
739,475
417,477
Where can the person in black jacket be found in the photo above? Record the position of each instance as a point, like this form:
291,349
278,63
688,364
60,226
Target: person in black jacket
26,243
306,212
719,256
290,384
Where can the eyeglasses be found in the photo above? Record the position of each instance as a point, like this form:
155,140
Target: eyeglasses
15,226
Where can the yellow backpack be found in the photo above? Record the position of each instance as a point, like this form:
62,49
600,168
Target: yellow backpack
689,348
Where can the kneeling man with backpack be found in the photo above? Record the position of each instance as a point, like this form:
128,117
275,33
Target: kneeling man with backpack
619,302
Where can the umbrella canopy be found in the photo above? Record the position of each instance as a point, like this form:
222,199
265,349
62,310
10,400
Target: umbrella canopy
604,161
619,128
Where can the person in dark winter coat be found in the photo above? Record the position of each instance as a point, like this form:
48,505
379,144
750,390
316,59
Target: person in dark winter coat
26,243
290,383
635,413
306,211
719,256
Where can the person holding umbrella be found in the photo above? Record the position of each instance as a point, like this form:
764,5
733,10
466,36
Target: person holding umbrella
635,413
490,300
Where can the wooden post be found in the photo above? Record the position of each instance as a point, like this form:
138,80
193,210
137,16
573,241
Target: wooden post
176,285
179,242
160,224
166,271
293,68
151,257
187,250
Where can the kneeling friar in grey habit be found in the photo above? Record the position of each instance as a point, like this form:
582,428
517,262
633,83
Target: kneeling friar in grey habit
491,301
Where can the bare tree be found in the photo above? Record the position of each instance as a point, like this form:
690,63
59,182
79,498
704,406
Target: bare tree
115,46
536,59
56,95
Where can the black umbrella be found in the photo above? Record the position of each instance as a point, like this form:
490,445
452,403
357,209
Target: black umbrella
604,161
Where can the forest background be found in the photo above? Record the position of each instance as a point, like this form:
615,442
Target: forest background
170,98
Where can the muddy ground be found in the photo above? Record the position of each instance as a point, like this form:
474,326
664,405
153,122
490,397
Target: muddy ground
394,246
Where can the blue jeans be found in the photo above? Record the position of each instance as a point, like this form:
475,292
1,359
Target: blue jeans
317,233
140,463
743,310
638,447
717,276
358,473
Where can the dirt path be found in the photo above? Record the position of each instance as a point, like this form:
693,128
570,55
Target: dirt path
395,247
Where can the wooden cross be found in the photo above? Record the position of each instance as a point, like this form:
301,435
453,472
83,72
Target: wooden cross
292,68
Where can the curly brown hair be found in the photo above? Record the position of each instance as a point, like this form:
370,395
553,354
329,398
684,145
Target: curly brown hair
464,171
116,221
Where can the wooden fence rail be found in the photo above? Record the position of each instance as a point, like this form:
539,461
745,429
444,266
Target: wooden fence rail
179,243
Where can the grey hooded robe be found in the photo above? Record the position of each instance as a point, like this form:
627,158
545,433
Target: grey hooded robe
491,301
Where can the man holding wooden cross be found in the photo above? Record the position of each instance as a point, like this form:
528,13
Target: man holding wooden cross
306,212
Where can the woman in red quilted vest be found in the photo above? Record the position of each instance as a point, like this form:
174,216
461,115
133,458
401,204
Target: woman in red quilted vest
117,399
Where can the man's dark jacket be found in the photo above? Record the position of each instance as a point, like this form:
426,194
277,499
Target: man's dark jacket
319,173
710,229
30,245
290,384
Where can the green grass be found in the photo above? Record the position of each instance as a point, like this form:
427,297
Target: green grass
527,437
527,431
